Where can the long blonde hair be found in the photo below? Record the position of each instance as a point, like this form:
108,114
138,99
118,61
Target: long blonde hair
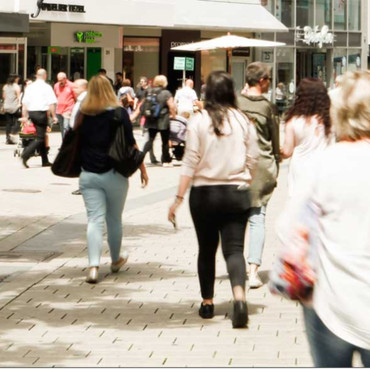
100,96
351,107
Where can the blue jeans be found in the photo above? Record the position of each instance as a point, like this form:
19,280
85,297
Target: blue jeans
104,196
327,349
256,234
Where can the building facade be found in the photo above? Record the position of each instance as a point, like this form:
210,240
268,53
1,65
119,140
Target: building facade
326,38
136,37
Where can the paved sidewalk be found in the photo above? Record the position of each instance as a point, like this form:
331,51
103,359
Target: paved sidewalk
147,315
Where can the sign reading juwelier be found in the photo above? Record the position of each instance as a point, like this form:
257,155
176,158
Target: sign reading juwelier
57,8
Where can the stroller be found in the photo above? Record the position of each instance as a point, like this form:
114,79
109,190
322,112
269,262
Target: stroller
178,128
26,135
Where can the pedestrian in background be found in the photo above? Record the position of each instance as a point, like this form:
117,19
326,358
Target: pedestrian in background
337,320
104,190
307,131
265,117
80,91
38,102
161,124
118,82
11,97
221,153
186,98
66,99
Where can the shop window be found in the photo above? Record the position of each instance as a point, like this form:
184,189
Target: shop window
284,91
140,58
77,64
339,62
59,63
285,12
354,15
323,13
340,14
305,10
354,60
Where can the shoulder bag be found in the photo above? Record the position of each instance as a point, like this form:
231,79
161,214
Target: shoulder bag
126,157
68,161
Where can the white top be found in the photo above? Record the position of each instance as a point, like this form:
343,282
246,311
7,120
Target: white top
76,108
220,160
309,138
340,191
184,99
39,96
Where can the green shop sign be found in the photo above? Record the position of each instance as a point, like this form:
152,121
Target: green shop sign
87,37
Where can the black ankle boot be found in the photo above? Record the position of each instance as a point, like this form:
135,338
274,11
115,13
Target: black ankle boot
240,316
206,311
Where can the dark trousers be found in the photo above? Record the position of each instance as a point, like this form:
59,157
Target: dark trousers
327,349
165,136
220,211
40,120
11,124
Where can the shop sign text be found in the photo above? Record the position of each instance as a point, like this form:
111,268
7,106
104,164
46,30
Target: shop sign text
87,37
57,8
315,36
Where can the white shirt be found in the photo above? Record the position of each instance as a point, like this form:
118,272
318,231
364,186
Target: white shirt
340,191
39,96
185,99
76,108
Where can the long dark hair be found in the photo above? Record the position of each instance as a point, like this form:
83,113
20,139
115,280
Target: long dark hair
219,98
311,99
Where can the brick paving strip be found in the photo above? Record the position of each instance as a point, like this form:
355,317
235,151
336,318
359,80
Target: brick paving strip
147,314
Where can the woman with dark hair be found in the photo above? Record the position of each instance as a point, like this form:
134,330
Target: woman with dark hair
11,95
221,154
307,131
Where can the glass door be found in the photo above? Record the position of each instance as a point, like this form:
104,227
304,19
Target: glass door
12,58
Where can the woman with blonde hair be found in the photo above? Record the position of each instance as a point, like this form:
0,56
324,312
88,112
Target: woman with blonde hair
337,322
103,189
160,123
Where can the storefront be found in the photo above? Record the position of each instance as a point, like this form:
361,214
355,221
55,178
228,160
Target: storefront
326,38
12,45
78,50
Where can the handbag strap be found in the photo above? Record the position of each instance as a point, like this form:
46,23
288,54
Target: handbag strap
79,121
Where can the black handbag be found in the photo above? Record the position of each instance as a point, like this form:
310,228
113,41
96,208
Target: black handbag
68,161
125,157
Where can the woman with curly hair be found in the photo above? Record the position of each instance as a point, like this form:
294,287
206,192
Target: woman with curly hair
307,131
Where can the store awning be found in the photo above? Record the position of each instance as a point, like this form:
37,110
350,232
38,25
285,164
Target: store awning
242,15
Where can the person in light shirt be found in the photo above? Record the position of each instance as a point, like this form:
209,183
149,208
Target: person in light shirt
38,100
80,91
186,98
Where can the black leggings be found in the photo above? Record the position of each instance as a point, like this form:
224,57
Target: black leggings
220,210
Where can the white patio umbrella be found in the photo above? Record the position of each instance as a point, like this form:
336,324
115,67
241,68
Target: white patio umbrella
228,42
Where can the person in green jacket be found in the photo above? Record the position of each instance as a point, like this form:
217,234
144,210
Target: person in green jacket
264,114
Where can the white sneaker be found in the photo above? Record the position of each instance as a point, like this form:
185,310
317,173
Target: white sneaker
167,165
255,281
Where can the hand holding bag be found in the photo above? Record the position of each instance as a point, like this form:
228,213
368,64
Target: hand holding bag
126,157
68,161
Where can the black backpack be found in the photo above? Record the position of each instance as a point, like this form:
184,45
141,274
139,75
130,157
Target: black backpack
151,106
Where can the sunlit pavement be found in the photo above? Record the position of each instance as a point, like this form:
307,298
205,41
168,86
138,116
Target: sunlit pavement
146,315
